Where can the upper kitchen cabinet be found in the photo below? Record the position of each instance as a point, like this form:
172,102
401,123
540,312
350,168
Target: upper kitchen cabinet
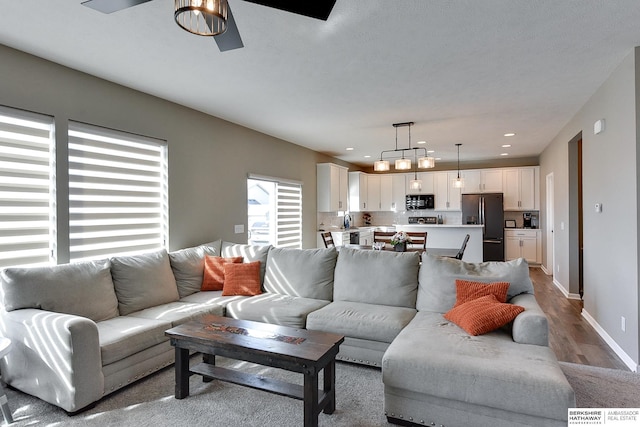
358,188
428,182
520,187
398,192
447,197
482,181
332,187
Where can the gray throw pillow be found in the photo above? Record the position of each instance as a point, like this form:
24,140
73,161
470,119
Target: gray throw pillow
83,289
143,281
437,290
306,273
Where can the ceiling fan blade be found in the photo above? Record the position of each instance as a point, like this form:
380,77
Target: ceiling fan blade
319,9
230,39
110,6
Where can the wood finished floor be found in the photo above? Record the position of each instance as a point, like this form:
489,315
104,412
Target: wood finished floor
571,337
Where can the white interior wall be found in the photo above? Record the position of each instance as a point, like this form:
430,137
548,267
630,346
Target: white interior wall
610,178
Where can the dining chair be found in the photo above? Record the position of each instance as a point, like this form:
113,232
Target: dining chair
418,239
464,246
327,238
383,236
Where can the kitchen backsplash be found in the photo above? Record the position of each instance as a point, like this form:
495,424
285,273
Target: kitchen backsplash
329,220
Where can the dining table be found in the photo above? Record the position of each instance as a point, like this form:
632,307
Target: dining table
445,252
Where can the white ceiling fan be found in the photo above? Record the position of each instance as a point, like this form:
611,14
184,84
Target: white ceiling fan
214,17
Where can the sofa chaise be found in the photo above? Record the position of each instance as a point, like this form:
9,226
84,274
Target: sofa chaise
84,330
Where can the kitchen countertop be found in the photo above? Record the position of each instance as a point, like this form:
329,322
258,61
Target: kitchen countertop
441,225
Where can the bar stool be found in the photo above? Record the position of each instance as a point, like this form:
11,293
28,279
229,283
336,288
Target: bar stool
5,347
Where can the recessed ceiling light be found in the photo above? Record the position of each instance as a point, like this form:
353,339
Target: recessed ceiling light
506,145
504,154
349,148
510,134
421,142
367,156
431,151
438,158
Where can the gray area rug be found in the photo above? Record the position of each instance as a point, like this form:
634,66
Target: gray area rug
359,395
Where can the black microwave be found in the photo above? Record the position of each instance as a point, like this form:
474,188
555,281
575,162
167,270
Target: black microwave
419,201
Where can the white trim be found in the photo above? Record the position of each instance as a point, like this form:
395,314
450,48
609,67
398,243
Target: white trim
574,296
610,342
544,270
562,289
273,179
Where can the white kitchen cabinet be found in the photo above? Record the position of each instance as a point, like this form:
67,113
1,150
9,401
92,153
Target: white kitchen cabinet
366,237
358,201
447,197
428,182
482,181
519,187
332,187
373,192
398,192
386,192
523,244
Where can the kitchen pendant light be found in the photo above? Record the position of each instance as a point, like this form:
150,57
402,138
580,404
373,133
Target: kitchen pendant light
415,183
404,163
202,17
458,182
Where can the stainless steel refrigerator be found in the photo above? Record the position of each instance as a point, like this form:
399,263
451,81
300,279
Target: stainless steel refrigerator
486,209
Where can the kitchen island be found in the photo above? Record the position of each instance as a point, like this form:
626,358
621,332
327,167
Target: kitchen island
451,236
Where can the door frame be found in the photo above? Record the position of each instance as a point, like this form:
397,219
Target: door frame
550,261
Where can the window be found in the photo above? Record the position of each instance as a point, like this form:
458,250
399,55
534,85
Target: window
274,212
27,227
117,193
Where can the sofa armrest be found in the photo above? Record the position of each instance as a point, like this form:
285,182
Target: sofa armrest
54,356
531,326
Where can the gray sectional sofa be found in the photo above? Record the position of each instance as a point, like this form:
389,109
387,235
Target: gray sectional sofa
82,331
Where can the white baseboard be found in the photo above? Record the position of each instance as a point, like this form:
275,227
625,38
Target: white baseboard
574,296
610,342
562,289
544,270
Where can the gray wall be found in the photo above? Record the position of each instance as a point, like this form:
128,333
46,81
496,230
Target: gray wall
209,158
610,177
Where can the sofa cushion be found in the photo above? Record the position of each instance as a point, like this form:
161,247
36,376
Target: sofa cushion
482,315
376,277
277,309
359,320
188,266
83,288
213,279
143,281
434,357
306,273
437,290
178,312
211,297
250,253
123,336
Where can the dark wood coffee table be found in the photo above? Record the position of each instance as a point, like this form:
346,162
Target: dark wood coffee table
297,350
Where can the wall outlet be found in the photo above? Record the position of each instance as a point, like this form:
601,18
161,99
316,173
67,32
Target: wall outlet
623,324
239,228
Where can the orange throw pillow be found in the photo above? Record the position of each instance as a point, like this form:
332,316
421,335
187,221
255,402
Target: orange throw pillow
213,279
483,315
467,290
242,279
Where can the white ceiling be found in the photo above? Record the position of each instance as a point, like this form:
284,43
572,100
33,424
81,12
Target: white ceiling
465,71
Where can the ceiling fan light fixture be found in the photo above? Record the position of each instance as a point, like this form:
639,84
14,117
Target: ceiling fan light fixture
202,17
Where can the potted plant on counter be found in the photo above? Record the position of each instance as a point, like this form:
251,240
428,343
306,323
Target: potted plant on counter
399,241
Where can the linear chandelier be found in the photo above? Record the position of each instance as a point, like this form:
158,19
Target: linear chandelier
202,17
404,163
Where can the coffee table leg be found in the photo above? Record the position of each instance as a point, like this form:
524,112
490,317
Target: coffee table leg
311,399
211,360
182,373
330,386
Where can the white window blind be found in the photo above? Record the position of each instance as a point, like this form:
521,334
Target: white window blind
288,215
117,193
27,227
